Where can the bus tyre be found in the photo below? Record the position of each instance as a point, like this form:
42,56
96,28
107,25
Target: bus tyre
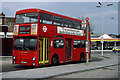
55,60
82,57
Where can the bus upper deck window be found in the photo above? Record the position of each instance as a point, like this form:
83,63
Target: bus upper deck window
45,18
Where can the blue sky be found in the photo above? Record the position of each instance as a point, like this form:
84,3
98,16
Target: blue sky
73,9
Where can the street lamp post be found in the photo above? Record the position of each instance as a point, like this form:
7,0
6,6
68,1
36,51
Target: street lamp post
114,37
102,39
87,42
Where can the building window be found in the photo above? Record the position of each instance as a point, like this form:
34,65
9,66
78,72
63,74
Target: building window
58,43
45,18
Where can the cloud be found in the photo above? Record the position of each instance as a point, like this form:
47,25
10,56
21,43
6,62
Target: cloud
60,1
106,13
68,9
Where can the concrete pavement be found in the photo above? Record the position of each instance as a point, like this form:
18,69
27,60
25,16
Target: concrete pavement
106,72
47,72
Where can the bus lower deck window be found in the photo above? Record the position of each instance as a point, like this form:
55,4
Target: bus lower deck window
76,44
58,43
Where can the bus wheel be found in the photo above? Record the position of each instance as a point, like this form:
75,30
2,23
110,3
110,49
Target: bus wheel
55,60
82,57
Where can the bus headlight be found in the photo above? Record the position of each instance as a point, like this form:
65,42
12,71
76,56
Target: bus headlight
14,57
33,58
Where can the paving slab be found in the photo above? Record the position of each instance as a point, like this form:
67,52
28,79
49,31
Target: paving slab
52,71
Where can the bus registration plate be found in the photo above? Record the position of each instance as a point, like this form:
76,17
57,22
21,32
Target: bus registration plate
23,62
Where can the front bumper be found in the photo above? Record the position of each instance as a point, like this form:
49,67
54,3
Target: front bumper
25,62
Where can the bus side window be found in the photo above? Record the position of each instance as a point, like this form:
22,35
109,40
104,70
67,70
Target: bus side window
58,43
68,23
57,21
76,24
76,44
83,44
45,18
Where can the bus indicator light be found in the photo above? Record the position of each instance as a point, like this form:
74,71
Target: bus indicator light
14,62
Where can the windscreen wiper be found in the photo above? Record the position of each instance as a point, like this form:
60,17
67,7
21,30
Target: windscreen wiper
27,48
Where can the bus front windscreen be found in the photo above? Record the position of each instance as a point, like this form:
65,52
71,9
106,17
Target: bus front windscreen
26,18
25,44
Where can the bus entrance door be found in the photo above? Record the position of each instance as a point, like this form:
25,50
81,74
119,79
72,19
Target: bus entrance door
68,48
43,50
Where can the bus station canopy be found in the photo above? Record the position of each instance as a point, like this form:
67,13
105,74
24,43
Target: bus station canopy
106,38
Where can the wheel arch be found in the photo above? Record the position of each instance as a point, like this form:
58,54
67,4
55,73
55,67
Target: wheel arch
82,57
55,55
82,54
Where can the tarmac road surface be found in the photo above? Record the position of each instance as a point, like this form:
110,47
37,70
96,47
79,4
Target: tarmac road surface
53,71
109,59
7,65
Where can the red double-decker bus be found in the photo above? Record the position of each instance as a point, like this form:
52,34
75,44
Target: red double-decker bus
42,37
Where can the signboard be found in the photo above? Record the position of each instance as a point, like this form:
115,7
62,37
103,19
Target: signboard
64,30
84,25
22,28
